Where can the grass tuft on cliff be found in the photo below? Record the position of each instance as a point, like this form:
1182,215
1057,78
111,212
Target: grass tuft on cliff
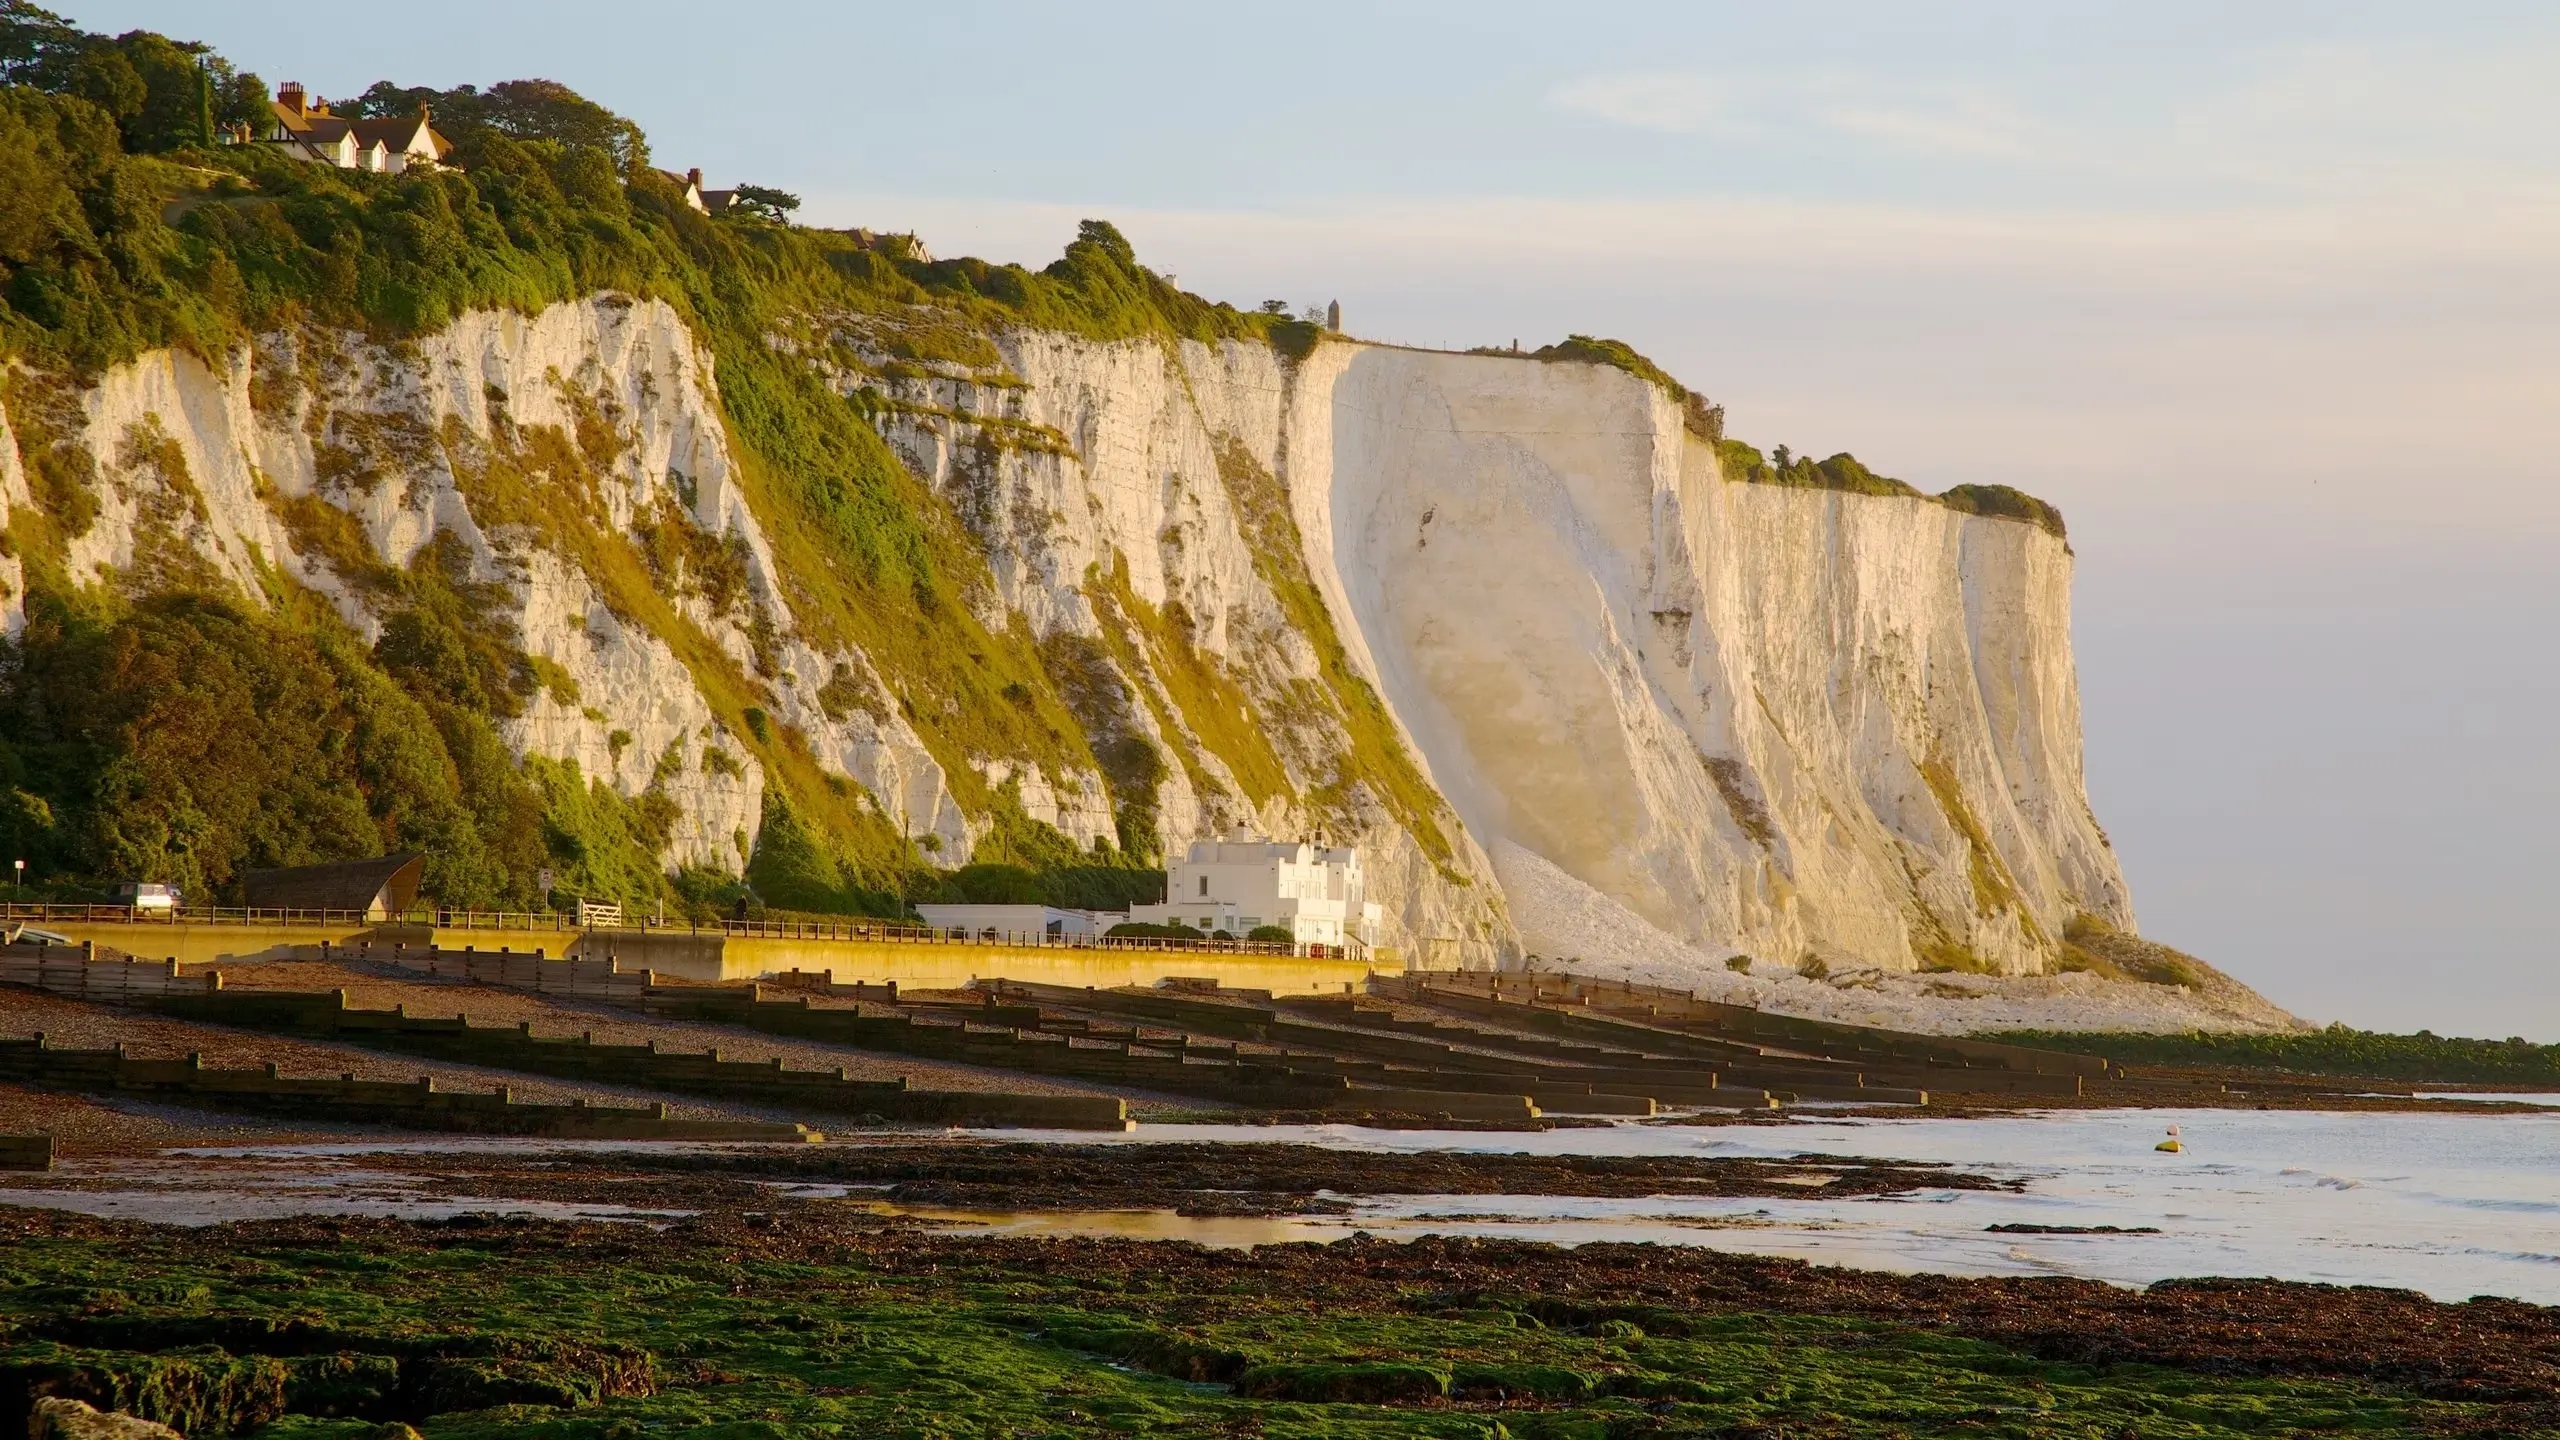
1746,464
2008,503
1617,354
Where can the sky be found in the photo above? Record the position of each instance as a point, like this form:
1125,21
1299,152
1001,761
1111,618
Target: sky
2264,297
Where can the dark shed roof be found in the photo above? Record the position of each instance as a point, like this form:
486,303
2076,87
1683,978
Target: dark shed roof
388,884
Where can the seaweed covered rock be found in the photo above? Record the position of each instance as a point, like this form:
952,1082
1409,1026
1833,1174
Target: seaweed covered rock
58,1419
198,1391
1367,1382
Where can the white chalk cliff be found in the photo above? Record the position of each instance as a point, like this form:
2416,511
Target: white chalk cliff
1640,698
1779,721
1784,721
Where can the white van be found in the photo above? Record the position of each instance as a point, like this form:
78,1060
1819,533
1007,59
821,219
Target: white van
140,896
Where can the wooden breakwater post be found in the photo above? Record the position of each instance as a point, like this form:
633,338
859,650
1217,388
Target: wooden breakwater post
26,1152
414,1106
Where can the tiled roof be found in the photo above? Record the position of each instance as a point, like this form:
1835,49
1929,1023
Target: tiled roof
395,132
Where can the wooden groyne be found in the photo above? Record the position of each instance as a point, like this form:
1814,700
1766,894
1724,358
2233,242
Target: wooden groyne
326,1014
420,1105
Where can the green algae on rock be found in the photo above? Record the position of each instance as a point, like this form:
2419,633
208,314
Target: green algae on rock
805,1321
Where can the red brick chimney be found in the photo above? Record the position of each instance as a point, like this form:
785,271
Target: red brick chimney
693,177
289,95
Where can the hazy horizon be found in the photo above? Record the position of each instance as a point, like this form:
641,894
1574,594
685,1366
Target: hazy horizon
2263,300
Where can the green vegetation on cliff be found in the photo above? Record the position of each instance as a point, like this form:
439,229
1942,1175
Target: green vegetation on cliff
2003,500
1375,765
1618,354
1746,464
122,230
191,737
1841,472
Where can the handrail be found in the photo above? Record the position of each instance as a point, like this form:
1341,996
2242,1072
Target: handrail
183,915
560,922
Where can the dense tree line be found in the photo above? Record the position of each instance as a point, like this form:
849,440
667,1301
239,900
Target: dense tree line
159,93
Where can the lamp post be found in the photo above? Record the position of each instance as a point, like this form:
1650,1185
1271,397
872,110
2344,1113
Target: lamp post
22,878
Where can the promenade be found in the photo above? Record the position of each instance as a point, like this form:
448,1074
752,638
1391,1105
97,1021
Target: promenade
847,951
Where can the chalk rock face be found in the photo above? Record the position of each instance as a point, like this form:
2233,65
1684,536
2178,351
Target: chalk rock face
1152,516
1502,623
507,436
1783,721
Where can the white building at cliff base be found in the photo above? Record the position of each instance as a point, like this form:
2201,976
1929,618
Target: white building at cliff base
1319,895
1015,921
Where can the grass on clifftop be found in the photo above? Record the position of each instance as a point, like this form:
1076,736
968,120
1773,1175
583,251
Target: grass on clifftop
2002,500
1746,464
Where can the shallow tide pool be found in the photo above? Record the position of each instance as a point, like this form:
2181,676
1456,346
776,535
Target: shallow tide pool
2451,1205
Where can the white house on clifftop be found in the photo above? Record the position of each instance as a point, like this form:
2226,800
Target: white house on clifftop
697,199
307,131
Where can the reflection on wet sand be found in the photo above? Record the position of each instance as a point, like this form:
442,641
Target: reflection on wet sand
1224,1232
2450,1206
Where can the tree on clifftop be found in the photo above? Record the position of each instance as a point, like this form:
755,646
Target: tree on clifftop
162,93
517,109
763,202
38,47
1104,236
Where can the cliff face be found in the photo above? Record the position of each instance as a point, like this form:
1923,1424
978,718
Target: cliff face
1502,622
1787,721
1140,507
